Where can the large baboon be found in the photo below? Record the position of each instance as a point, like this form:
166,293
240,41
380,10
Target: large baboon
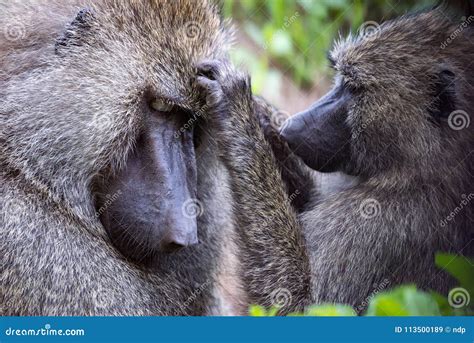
98,152
398,119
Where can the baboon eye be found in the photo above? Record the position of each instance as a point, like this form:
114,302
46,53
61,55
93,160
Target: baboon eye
161,105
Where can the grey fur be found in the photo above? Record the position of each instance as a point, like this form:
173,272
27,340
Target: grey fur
67,113
415,172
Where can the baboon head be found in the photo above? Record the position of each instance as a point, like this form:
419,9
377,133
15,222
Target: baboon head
399,91
95,99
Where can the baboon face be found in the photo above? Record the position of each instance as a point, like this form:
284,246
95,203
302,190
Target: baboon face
106,112
144,207
390,104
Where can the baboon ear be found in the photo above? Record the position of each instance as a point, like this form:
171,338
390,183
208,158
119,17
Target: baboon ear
76,31
445,95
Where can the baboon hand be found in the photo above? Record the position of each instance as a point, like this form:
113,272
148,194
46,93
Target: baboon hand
224,88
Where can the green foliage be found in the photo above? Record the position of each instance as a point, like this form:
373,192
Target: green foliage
462,269
404,300
294,35
329,310
459,267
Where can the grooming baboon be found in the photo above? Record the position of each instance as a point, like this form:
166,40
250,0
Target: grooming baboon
388,121
95,102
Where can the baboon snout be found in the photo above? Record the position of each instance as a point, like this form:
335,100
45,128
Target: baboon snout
178,239
320,135
180,232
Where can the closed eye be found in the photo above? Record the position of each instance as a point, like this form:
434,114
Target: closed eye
161,105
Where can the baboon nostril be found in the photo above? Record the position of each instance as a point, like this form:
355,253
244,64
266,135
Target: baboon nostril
172,244
171,247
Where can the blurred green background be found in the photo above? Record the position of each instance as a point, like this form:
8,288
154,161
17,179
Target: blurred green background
283,43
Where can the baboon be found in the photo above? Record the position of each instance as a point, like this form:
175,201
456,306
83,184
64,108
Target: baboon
390,120
102,174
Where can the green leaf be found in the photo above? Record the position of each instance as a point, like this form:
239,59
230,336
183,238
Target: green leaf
329,310
420,303
227,10
257,311
443,304
255,33
273,311
403,301
281,44
277,10
386,305
460,267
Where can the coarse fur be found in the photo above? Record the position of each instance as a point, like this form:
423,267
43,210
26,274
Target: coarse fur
71,78
414,168
414,171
